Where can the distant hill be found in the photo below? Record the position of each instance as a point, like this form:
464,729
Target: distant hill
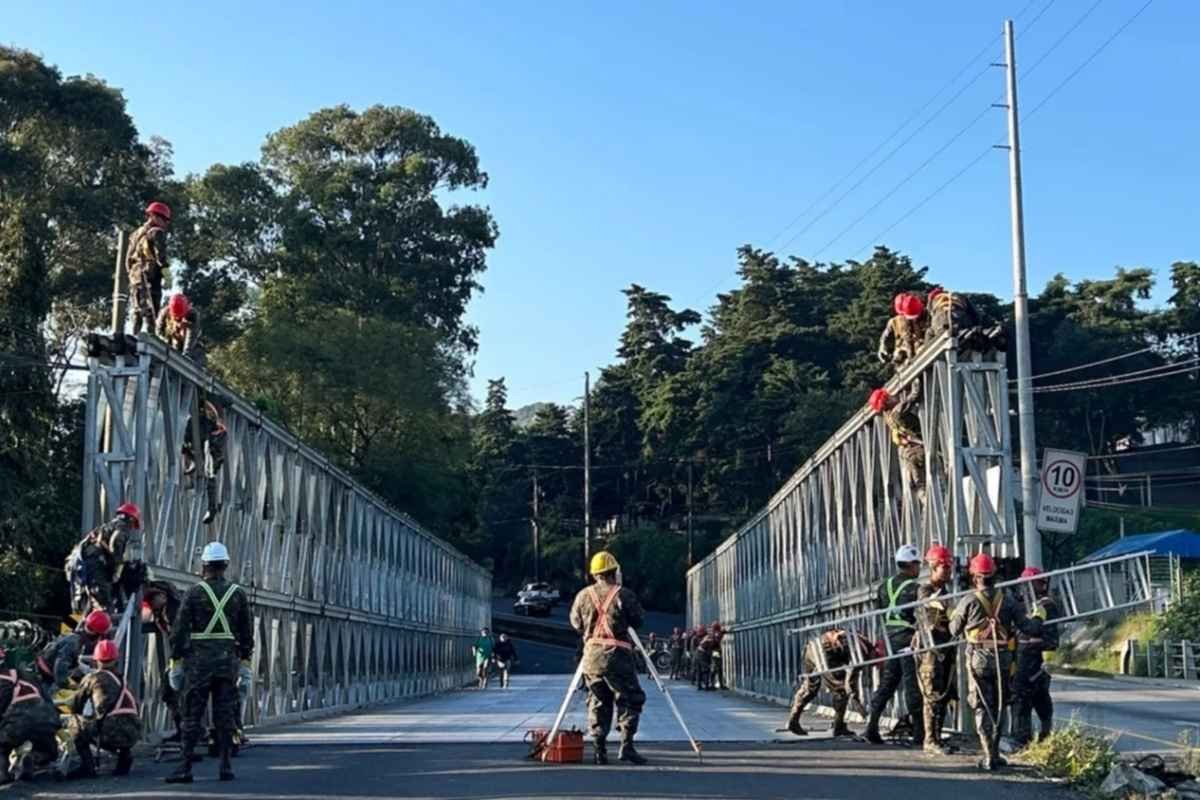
524,415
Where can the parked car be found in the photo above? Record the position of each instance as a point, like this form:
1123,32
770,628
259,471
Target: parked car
540,589
532,605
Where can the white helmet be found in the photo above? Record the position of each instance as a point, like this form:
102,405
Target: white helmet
907,554
213,552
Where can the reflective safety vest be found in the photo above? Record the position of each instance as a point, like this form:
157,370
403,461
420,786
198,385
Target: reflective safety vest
893,619
218,615
23,691
603,632
126,705
991,632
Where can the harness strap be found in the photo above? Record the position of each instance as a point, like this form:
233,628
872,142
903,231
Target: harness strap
603,633
990,631
218,617
126,704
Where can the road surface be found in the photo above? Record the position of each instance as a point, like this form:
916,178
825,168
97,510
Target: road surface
1148,716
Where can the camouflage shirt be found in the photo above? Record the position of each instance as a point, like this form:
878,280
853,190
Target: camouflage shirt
976,611
902,338
102,551
934,616
196,612
600,631
59,659
147,253
903,419
181,334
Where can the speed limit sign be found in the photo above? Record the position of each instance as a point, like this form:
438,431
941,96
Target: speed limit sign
1062,486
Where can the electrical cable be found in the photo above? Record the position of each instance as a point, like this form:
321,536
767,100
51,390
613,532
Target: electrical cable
1162,371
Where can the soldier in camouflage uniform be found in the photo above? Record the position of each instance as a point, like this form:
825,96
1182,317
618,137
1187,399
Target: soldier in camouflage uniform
212,435
145,261
936,668
25,716
58,663
604,613
94,565
989,618
950,313
843,684
213,631
904,334
113,725
901,415
1031,684
178,324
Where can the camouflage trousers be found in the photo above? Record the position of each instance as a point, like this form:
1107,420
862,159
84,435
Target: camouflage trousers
1031,693
117,733
34,722
145,299
936,675
989,686
811,686
912,459
215,676
617,688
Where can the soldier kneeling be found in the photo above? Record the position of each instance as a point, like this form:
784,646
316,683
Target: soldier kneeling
113,724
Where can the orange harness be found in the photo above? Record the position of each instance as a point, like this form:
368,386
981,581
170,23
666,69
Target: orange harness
126,705
603,634
23,691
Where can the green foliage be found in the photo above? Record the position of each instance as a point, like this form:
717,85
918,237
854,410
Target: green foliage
652,562
1072,754
1182,619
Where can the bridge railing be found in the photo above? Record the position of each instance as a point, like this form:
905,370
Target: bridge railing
353,601
828,536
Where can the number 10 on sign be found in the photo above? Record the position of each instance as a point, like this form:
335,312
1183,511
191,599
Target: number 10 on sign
1062,486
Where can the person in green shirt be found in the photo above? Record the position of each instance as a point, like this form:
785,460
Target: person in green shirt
483,656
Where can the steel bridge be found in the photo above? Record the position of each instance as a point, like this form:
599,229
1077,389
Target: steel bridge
354,602
826,538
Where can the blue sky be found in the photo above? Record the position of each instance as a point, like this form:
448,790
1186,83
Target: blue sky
644,142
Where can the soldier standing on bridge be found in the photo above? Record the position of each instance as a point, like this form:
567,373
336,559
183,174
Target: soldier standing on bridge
936,668
1031,685
676,649
904,334
989,617
843,684
213,631
604,613
145,261
899,590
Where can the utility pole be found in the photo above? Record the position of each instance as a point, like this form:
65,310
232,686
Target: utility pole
587,472
537,544
690,560
1029,474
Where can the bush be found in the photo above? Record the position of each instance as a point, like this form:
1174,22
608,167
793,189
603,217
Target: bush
1182,619
1070,753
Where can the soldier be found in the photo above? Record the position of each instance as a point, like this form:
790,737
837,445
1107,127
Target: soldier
58,663
899,590
716,673
950,313
989,617
1031,685
676,649
212,632
159,607
901,416
904,333
113,724
936,668
178,325
213,434
25,716
843,684
145,261
482,650
506,658
94,565
604,613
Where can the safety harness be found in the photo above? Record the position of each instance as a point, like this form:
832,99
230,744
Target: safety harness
893,619
218,616
126,704
603,632
23,691
991,632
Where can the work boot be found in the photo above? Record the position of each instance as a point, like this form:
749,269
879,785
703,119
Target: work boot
793,725
1045,728
87,764
174,738
124,762
629,754
872,734
225,746
5,776
841,729
183,773
27,768
599,751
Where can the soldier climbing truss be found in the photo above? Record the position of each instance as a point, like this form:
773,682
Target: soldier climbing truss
353,601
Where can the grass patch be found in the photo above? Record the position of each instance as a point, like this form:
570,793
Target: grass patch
1106,657
1074,755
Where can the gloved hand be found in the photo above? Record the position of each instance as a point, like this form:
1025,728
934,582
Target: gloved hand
245,676
1039,612
883,357
175,675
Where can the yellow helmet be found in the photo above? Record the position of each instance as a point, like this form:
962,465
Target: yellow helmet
604,562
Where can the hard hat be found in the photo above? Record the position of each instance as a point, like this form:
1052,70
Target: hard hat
907,554
983,564
603,562
179,306
899,301
161,209
106,651
214,552
1031,572
938,555
716,626
97,623
132,511
912,308
878,400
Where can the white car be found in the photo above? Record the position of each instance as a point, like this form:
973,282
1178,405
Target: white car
539,590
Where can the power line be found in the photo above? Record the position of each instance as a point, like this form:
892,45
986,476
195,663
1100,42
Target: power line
1103,361
1177,368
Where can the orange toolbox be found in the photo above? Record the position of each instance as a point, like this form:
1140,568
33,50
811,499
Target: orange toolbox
567,747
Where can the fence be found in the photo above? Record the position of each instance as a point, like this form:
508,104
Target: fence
1162,659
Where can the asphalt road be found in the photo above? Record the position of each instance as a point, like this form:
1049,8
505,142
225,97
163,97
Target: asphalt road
802,771
1147,716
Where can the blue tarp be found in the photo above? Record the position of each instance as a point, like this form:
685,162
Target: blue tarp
1182,543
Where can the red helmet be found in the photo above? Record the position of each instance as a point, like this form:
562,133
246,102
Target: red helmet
983,564
106,651
179,306
132,511
97,623
159,209
878,400
908,305
938,555
716,626
1031,572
